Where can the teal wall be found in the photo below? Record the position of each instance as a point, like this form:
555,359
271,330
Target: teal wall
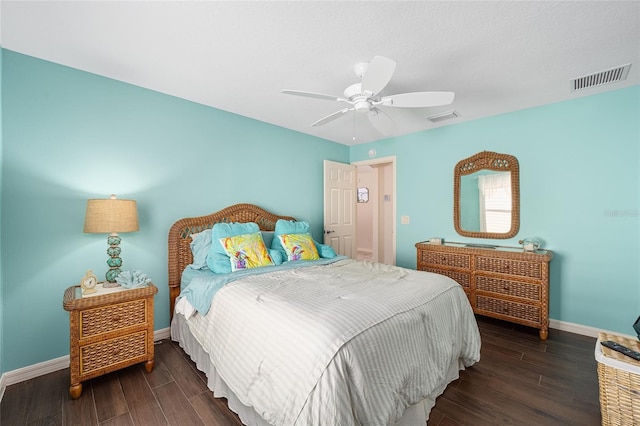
70,135
580,186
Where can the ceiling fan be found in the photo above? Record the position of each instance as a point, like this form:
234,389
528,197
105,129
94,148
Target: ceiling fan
364,97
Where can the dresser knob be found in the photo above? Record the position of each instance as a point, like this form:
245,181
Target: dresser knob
116,319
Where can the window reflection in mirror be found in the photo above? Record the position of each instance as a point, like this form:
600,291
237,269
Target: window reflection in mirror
486,196
485,201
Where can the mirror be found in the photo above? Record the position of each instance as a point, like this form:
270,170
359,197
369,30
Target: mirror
486,196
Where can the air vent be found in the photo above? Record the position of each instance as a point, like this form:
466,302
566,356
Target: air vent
612,75
443,116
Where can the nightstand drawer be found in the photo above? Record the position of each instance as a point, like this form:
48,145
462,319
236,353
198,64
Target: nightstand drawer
447,259
511,288
111,352
114,317
509,266
508,308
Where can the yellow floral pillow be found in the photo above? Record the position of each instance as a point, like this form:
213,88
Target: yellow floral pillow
299,247
246,251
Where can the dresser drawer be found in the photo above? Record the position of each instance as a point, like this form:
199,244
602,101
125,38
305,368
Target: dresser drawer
114,351
511,288
462,278
114,317
506,308
509,266
453,260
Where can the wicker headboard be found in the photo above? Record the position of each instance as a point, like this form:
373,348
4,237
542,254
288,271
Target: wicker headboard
180,237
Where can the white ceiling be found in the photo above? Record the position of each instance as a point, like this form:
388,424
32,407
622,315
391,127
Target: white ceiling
237,56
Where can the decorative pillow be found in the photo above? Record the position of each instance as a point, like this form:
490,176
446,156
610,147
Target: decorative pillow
218,259
246,251
276,256
200,244
267,237
288,227
299,247
325,251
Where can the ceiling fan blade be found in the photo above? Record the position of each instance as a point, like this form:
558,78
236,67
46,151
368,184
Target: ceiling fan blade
312,95
331,117
378,74
418,99
382,122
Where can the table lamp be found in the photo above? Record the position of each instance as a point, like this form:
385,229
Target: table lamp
111,216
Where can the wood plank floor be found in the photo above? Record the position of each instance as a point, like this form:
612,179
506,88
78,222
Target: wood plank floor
520,380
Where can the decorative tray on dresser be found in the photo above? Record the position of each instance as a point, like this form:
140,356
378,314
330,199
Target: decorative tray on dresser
507,283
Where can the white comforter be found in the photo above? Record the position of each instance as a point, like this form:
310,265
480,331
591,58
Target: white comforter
341,344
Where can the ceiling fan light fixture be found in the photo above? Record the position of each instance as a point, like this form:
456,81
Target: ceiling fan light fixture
362,106
353,91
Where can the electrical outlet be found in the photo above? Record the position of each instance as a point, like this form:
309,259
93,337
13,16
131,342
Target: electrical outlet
404,220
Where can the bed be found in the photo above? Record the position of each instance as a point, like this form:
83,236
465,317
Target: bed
314,340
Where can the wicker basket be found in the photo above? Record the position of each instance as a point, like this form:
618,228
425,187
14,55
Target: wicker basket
619,382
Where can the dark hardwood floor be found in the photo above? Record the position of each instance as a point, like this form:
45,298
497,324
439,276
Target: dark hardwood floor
520,380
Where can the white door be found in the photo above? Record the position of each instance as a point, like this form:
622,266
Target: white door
340,207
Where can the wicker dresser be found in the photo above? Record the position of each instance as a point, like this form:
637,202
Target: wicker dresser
108,332
502,282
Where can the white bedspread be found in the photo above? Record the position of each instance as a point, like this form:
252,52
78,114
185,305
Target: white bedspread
346,343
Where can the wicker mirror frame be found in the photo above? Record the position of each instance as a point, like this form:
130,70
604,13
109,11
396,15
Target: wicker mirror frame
487,160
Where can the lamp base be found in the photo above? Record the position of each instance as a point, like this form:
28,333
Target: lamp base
111,276
114,261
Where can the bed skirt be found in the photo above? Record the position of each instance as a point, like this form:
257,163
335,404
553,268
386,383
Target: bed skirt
417,414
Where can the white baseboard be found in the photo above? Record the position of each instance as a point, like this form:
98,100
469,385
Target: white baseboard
165,333
25,373
582,329
3,386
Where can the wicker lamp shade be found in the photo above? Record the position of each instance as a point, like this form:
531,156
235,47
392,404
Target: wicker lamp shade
110,217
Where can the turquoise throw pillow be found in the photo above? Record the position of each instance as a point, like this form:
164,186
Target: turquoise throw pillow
325,251
200,245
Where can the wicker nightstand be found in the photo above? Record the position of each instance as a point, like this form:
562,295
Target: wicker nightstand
108,332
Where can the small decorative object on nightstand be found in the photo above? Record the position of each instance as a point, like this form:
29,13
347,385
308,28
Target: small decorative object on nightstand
88,283
109,330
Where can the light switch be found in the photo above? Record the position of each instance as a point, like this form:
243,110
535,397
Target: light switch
404,220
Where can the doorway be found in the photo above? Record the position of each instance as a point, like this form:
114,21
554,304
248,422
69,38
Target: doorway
375,217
